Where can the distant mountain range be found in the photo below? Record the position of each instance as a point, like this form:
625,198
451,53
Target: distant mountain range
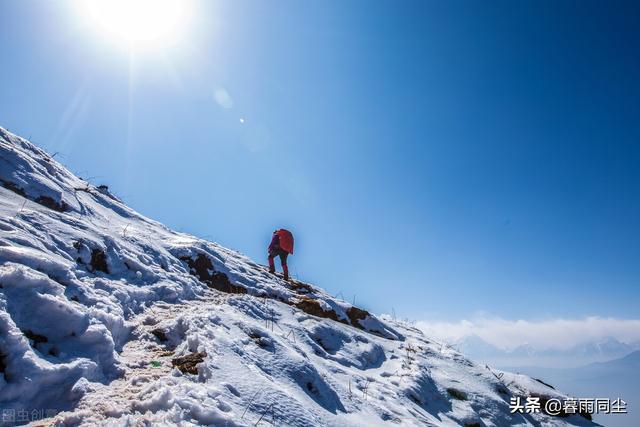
527,355
619,378
605,368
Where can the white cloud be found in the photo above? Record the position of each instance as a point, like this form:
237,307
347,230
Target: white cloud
223,98
544,334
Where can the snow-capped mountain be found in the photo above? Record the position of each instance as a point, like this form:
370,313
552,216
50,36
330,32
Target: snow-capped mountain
528,355
108,317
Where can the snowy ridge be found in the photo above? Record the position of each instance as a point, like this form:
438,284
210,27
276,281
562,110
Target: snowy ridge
99,306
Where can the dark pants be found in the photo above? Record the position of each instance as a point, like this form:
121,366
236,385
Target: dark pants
283,261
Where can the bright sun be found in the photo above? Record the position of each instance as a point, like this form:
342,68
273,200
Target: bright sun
138,22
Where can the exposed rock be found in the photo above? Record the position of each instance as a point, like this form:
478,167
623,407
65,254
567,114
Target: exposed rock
356,314
221,282
314,308
11,186
36,338
502,390
99,261
300,287
202,268
48,202
457,394
189,363
3,366
160,334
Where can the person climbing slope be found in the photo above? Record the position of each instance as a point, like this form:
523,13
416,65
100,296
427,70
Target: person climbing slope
281,245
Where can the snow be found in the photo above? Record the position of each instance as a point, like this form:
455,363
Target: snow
96,301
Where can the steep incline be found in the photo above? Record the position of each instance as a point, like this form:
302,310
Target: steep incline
107,316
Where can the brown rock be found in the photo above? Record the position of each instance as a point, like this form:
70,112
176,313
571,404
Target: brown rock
189,364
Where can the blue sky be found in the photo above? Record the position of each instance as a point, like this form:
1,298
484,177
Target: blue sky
437,158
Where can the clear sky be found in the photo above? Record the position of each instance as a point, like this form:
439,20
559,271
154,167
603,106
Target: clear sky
438,158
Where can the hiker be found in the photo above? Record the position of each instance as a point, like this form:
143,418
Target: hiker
281,245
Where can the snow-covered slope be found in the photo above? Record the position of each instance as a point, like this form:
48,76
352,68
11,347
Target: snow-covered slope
108,317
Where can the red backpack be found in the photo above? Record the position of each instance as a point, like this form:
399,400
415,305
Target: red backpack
286,240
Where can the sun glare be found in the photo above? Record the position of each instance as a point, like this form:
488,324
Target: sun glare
138,22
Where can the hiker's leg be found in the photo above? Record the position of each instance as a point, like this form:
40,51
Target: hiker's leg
283,261
272,266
